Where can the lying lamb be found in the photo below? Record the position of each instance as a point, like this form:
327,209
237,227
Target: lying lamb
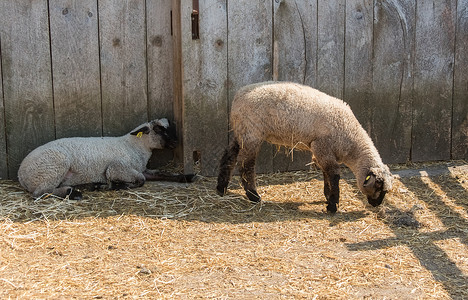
60,166
301,117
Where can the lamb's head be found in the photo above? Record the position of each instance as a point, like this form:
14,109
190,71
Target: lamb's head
157,134
377,182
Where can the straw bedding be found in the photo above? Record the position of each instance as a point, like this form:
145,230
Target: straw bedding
183,241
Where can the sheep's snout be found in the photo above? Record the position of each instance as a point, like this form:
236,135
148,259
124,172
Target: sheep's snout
378,200
168,133
373,187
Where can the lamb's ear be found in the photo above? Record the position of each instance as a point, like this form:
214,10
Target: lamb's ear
163,123
140,131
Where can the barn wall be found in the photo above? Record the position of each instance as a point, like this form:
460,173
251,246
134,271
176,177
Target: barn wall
400,64
88,68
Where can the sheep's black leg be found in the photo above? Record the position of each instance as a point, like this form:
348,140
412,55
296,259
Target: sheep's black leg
326,186
119,185
227,164
154,175
74,194
95,186
247,173
331,190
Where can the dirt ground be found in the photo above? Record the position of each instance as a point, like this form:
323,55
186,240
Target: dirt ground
182,241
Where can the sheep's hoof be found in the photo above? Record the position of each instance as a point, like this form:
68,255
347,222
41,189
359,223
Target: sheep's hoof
75,195
331,208
187,178
253,196
221,191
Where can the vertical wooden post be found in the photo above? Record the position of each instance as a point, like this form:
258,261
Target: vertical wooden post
178,78
3,152
204,90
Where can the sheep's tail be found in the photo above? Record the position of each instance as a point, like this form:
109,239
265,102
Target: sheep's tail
227,164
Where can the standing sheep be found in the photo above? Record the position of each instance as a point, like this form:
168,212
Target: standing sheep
300,117
97,162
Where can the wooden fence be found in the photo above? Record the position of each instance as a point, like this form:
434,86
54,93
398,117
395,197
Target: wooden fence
91,68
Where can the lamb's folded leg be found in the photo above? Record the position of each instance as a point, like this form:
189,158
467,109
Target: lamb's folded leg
155,175
121,177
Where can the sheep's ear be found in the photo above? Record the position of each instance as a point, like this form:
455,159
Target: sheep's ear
164,123
140,131
372,181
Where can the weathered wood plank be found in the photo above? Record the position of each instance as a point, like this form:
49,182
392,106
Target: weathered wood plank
177,88
358,59
250,55
205,119
27,84
160,57
433,81
392,78
75,61
295,30
330,47
460,90
159,52
3,152
123,65
294,59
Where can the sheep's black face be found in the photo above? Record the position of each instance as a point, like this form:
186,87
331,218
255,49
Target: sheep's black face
374,189
376,200
167,131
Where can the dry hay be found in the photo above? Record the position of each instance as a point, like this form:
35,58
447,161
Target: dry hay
183,241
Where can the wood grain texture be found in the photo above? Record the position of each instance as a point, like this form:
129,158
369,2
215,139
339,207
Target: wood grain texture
358,59
460,89
123,65
75,61
3,148
295,30
250,55
205,110
330,47
159,64
159,59
393,78
433,81
294,59
26,75
400,64
177,88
